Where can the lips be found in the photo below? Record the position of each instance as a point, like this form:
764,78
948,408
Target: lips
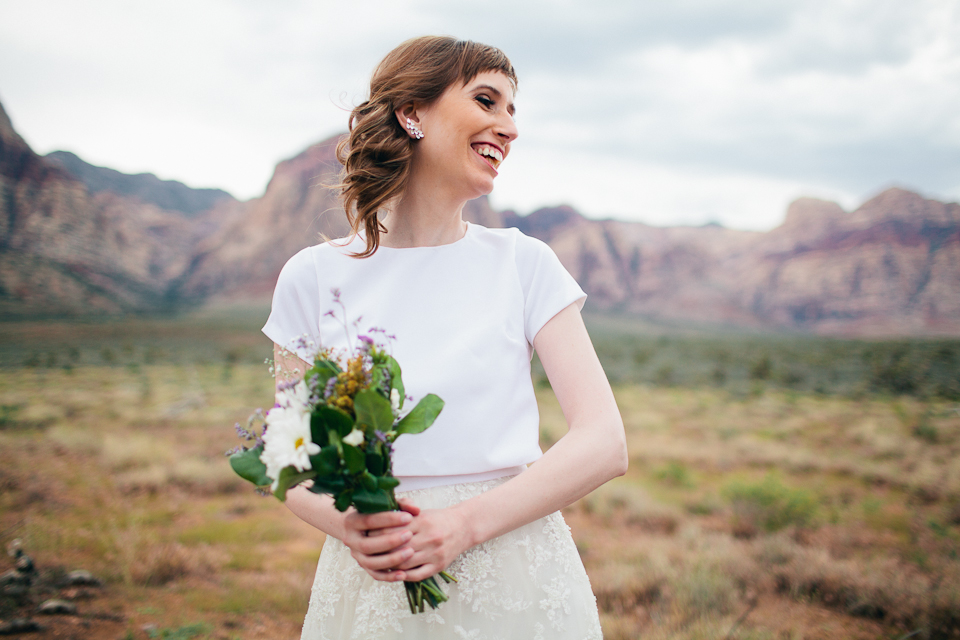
491,154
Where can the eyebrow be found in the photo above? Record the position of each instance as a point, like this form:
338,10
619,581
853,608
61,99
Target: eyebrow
511,109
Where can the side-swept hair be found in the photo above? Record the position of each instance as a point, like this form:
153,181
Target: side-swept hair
376,154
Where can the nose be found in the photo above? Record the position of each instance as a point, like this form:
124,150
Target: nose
506,128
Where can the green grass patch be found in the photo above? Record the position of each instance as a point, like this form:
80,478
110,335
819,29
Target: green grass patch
244,531
768,505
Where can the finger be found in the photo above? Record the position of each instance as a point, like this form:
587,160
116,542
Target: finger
382,520
387,576
380,544
421,573
418,559
372,533
385,561
408,507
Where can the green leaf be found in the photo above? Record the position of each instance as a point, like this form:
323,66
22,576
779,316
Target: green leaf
372,501
332,485
343,499
422,415
289,478
248,466
396,380
323,369
375,464
353,458
388,482
327,462
368,481
377,375
325,417
318,430
373,410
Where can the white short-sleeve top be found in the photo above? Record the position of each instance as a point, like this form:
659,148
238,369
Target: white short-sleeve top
464,315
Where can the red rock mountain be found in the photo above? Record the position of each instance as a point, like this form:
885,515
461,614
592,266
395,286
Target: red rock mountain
65,250
71,247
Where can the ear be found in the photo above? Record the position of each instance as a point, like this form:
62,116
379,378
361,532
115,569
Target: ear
408,112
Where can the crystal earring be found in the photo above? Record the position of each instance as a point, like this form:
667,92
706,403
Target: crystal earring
414,129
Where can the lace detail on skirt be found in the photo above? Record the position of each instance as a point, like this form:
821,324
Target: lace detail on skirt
526,584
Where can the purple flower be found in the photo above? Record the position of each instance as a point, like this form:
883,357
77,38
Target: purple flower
328,390
288,384
241,432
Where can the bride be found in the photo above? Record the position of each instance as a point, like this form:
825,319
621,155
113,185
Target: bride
468,306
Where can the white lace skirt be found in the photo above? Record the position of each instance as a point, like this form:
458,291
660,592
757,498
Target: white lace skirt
528,584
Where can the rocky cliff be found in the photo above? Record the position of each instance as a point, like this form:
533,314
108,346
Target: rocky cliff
66,250
75,243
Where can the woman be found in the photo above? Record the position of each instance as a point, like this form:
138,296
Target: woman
467,305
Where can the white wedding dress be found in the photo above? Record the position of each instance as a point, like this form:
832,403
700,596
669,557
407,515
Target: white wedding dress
528,584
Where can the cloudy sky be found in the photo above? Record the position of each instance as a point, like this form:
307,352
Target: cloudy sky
680,112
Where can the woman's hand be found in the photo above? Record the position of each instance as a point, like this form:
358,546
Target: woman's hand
439,536
378,542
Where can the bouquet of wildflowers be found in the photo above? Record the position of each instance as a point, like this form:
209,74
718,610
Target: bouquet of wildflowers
335,428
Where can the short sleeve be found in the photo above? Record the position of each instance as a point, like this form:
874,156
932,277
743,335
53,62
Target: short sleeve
295,311
548,287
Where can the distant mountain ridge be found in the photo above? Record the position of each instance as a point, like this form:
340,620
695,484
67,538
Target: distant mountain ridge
165,194
71,246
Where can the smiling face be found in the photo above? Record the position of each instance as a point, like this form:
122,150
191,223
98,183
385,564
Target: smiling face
467,134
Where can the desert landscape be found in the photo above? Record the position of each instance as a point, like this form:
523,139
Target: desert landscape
791,401
780,486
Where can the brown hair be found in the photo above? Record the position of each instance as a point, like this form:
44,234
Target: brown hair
376,153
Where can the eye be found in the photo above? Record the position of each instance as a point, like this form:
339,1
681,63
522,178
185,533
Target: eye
485,101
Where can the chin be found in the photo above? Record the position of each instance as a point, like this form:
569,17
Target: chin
483,188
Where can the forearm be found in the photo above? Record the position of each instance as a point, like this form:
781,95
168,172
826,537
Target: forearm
593,451
317,510
577,464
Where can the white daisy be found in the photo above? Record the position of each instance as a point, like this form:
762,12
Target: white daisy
287,440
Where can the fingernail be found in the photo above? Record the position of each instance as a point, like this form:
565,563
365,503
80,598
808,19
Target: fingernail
406,517
408,552
407,535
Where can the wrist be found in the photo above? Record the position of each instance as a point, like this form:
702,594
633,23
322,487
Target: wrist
467,524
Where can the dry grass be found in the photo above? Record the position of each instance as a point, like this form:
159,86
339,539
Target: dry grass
775,514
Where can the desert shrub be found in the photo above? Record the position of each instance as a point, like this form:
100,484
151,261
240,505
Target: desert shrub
664,375
883,590
704,590
769,506
187,632
760,370
634,508
75,440
925,430
160,564
131,451
8,414
205,476
676,474
704,506
621,588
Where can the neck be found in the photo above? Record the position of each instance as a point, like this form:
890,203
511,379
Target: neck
427,215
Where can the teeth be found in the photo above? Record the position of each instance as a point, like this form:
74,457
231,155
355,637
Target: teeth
490,152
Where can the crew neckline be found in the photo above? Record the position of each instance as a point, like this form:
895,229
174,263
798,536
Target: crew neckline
465,235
